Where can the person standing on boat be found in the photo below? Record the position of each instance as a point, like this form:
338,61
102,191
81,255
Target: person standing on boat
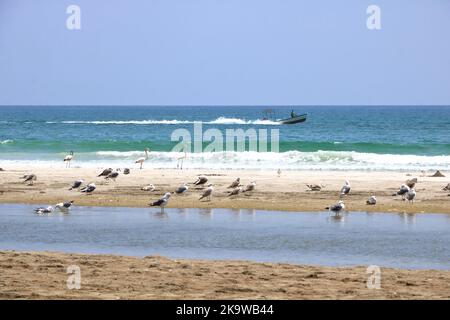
293,115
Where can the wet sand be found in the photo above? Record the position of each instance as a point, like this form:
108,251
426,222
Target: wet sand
42,275
287,192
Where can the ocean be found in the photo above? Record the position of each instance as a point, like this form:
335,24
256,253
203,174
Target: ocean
333,137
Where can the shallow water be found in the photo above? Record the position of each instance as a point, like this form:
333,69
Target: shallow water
395,240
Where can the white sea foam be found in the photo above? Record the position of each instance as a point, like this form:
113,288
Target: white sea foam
220,120
291,160
6,141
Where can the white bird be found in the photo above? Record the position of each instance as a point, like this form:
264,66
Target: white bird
149,187
42,210
345,189
68,159
411,183
162,202
404,189
372,201
77,184
337,208
182,189
250,187
142,159
208,192
64,206
89,188
411,195
235,191
235,183
30,178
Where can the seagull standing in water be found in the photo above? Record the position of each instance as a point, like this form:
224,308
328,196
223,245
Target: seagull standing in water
64,206
372,201
68,159
141,160
162,202
208,192
77,184
337,208
345,189
43,210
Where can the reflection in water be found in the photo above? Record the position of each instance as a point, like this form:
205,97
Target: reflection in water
161,215
206,212
408,218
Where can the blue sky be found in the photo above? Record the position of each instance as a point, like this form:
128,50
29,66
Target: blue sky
224,52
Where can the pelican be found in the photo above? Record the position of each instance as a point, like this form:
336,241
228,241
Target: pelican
105,172
68,159
182,189
42,210
89,188
142,159
235,183
149,187
201,181
64,206
345,189
77,184
404,189
207,193
180,161
30,178
411,195
372,201
162,202
337,208
250,187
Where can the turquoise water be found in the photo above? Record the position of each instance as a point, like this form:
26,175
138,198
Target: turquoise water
396,240
365,138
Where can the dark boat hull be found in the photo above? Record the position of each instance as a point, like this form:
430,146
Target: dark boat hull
297,119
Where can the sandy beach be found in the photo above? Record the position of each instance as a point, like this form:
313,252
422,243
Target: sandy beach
43,275
287,192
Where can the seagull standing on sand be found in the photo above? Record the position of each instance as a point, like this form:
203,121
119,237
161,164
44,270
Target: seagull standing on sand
141,160
77,184
105,172
404,189
235,191
149,187
30,178
182,189
372,201
64,206
113,175
411,195
279,172
43,210
162,202
250,187
337,208
68,159
180,161
314,187
345,189
235,183
126,171
89,188
208,192
201,181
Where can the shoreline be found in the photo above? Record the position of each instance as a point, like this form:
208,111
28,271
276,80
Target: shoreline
285,193
156,277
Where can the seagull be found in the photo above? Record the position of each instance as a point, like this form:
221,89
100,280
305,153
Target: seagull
30,178
105,172
180,161
404,189
235,183
337,208
372,201
142,159
64,206
77,184
207,193
113,175
345,188
182,189
250,187
235,191
411,195
42,210
68,159
162,202
89,188
315,187
411,183
447,187
149,187
126,171
279,172
201,181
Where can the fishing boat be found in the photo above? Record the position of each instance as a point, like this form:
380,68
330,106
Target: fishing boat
269,114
